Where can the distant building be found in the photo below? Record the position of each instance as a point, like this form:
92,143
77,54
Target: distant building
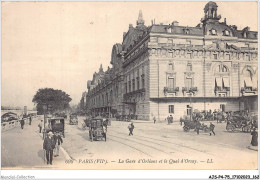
170,69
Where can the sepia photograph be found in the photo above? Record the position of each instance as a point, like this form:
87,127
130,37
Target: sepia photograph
129,85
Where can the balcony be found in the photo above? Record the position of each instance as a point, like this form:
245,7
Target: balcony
189,90
248,90
170,90
133,92
219,89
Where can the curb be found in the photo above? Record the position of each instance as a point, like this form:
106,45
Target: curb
67,156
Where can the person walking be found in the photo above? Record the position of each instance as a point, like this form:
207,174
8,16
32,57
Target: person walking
154,119
254,141
211,128
171,119
30,120
198,127
48,146
57,141
131,128
40,126
22,123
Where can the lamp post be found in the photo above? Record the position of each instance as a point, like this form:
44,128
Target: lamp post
44,121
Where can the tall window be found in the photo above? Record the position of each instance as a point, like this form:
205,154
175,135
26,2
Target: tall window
171,108
170,82
189,67
170,66
137,83
129,84
189,110
143,81
125,87
133,80
189,83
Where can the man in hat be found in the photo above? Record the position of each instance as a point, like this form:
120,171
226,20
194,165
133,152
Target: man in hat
254,141
48,146
40,126
22,123
57,141
131,128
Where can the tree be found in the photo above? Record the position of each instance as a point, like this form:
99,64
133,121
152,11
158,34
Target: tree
57,99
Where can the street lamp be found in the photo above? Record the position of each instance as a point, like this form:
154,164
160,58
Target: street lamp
45,107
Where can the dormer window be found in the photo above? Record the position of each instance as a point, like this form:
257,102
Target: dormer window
169,30
226,33
213,32
186,31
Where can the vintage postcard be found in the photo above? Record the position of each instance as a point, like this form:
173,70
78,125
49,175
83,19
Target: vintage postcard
129,85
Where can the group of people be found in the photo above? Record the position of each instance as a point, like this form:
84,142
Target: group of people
169,119
51,144
22,121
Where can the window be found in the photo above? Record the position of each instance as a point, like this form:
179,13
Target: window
215,56
137,83
228,56
170,66
171,109
248,57
188,83
189,67
133,84
213,32
125,87
129,84
170,82
189,110
222,107
143,81
221,68
226,33
189,55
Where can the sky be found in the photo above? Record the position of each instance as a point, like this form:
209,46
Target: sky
61,44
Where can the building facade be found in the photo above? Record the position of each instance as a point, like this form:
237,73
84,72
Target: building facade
170,69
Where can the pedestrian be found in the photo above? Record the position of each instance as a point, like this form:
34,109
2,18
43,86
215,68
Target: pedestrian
171,118
131,128
30,120
40,126
154,119
57,141
211,128
168,119
48,146
198,127
22,123
105,124
254,138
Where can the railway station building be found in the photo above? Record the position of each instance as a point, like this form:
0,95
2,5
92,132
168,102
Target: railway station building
161,69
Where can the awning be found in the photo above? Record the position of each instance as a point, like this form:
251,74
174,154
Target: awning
248,82
226,82
218,82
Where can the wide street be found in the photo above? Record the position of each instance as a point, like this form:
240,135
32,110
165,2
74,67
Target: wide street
153,146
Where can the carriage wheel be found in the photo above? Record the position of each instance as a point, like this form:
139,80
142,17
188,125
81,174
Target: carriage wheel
185,128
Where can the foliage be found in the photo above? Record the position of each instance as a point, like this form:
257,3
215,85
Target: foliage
58,100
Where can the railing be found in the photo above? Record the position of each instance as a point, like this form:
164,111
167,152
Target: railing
191,89
248,89
171,90
133,92
12,124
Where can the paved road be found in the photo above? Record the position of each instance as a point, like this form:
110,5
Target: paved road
157,141
23,148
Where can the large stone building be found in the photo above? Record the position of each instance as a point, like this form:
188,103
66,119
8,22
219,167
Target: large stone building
170,69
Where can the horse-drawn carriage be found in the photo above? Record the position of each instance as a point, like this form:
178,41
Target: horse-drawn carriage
188,125
242,122
73,119
56,125
96,130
